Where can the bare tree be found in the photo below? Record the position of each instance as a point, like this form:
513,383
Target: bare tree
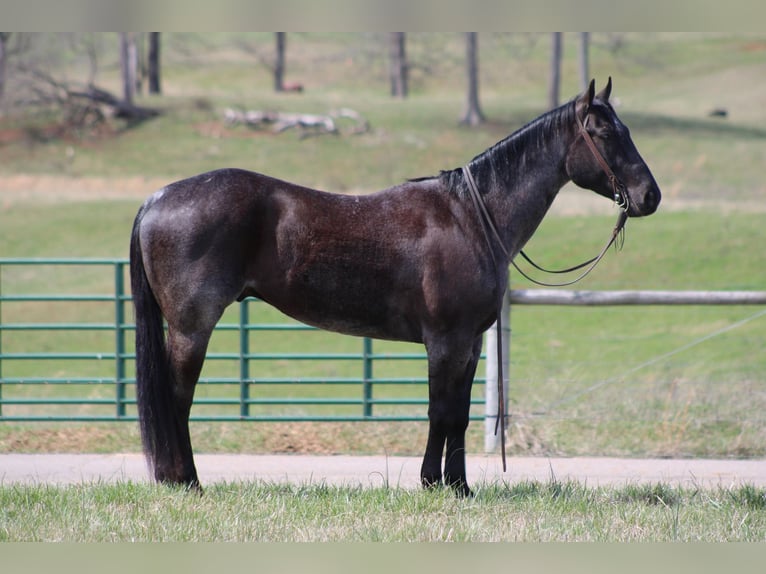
473,115
584,60
141,67
554,87
128,65
399,67
153,63
80,106
279,61
4,36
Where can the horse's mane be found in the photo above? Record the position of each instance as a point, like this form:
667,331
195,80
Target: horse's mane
512,150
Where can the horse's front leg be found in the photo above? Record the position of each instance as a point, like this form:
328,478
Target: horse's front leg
451,368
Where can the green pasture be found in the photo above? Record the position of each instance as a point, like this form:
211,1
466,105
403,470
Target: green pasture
644,381
261,512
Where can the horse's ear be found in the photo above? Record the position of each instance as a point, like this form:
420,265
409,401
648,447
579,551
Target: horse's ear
603,95
585,100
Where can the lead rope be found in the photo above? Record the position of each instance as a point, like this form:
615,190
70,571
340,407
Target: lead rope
618,227
500,420
486,221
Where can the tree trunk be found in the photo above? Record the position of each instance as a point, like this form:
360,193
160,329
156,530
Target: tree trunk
473,115
153,63
279,62
128,65
554,88
398,54
3,59
140,62
584,60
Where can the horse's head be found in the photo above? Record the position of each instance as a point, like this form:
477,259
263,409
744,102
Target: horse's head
604,158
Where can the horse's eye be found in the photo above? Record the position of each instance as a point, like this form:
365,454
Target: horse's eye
605,133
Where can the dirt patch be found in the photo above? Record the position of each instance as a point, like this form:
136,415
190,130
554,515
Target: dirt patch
571,201
395,438
754,46
74,438
20,188
12,135
219,130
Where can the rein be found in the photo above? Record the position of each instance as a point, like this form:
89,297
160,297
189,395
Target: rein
488,226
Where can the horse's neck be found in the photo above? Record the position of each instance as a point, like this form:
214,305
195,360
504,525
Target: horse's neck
519,190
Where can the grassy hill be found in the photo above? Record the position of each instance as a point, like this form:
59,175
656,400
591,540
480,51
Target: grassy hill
665,87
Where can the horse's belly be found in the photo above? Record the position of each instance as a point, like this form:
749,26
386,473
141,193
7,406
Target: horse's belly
359,328
352,310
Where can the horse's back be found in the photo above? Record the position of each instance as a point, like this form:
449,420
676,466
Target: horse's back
221,189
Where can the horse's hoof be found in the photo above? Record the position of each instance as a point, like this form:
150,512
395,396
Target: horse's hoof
194,487
464,492
431,482
187,484
461,489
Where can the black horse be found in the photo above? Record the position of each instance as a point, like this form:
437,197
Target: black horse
414,262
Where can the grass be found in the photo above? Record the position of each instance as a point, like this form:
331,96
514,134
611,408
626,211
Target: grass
577,382
523,512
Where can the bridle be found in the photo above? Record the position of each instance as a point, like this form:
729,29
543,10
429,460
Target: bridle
620,192
488,227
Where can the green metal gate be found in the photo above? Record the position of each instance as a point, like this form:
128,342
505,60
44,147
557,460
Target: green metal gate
68,356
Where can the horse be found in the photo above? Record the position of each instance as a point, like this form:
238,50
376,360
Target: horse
414,262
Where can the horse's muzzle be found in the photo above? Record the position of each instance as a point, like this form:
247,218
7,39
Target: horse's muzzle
644,203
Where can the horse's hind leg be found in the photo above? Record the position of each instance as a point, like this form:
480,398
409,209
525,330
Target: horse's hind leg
451,368
186,353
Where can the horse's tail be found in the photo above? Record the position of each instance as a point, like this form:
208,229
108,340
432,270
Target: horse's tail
154,385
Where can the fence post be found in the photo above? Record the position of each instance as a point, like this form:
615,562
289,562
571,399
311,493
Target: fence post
1,339
491,441
244,360
119,337
367,377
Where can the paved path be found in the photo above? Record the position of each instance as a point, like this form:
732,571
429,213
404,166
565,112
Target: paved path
380,470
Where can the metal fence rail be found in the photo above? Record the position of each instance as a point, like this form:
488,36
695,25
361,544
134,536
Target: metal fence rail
45,375
31,392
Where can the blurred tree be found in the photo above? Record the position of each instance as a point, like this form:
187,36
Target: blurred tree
279,61
584,60
153,63
554,87
399,66
128,65
57,73
473,115
4,37
275,63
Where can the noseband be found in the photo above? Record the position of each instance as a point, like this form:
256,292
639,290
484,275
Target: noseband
618,188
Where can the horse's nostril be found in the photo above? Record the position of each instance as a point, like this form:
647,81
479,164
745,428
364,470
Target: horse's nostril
651,199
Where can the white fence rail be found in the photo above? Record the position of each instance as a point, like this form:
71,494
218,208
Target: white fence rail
602,298
583,299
